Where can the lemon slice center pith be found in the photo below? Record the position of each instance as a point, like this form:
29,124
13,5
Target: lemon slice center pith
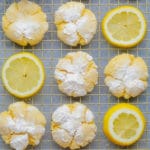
125,125
124,26
23,79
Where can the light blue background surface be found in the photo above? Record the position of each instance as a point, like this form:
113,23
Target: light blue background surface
99,100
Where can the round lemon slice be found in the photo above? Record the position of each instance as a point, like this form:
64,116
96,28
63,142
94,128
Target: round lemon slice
124,26
124,124
23,74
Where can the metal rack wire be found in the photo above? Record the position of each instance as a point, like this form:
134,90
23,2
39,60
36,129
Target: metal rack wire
99,100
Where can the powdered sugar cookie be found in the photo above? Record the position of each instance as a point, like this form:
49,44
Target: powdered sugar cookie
76,74
22,125
75,24
73,126
126,76
24,23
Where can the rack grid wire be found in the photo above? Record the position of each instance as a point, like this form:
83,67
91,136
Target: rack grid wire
99,100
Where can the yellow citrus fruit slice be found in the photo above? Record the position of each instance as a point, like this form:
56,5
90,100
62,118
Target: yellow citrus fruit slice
23,74
124,26
124,124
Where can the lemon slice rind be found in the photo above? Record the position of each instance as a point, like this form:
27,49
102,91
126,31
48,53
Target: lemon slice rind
113,113
138,132
40,82
121,43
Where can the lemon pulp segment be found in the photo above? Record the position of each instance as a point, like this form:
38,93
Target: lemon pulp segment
23,76
124,26
125,125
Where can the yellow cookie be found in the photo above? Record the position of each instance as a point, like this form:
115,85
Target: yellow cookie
75,24
76,74
22,125
126,76
73,126
24,23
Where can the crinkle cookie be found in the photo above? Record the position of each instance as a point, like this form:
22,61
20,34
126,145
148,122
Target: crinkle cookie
25,23
22,125
76,74
126,76
73,126
75,24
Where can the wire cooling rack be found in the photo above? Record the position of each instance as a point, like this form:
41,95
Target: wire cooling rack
99,100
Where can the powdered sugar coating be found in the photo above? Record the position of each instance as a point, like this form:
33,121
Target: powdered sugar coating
75,127
25,23
23,124
19,142
75,24
76,74
26,28
20,125
126,76
69,12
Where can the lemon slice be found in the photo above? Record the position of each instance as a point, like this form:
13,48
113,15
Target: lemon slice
124,124
23,74
124,26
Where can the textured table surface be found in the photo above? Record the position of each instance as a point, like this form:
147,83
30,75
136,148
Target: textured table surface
51,49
